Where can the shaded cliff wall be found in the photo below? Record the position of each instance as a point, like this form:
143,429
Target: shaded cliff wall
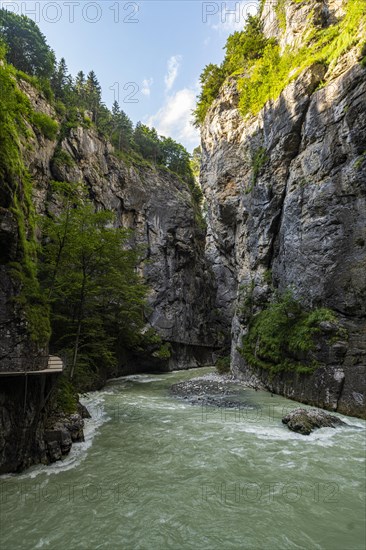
23,414
153,202
298,220
159,207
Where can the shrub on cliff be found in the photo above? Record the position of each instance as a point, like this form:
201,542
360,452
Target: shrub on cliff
16,196
47,126
242,49
263,70
282,333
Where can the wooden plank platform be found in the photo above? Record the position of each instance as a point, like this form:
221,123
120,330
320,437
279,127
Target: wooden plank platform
55,365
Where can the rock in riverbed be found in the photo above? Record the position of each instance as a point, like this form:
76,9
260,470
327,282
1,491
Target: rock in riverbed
304,421
62,431
212,390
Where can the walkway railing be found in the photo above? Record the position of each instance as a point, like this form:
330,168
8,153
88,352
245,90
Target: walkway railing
43,364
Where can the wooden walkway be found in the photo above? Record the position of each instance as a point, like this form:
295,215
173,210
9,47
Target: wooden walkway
55,365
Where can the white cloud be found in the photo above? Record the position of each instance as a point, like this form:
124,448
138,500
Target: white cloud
173,68
174,118
232,16
146,86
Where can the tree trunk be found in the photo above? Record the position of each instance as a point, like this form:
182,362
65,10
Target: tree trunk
78,332
76,349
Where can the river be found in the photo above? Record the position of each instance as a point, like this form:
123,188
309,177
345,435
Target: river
158,473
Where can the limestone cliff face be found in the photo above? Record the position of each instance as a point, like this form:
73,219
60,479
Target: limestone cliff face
299,222
159,208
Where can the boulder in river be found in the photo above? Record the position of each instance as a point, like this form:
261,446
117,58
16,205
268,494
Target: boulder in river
304,421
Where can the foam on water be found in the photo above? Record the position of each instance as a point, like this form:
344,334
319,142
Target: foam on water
163,473
140,378
94,402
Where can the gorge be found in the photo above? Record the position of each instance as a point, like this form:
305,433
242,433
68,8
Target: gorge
282,237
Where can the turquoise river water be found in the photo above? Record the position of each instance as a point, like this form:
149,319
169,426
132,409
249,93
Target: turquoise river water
157,473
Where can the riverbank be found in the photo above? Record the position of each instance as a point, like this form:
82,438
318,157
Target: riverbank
157,472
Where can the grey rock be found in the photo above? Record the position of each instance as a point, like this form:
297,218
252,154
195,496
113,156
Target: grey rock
301,224
157,206
60,435
83,411
23,417
75,427
305,421
54,450
220,391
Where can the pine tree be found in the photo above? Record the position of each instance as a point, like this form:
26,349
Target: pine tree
147,143
115,109
122,128
62,81
93,93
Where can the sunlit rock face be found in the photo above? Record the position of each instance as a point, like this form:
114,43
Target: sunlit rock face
285,194
288,22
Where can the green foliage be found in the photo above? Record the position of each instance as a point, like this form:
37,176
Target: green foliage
167,154
60,108
363,54
245,47
176,158
90,278
274,71
280,10
282,332
267,276
164,352
46,125
26,46
121,129
259,159
360,161
242,49
66,399
16,196
196,162
62,158
147,143
40,83
246,300
223,365
62,81
264,71
264,82
211,81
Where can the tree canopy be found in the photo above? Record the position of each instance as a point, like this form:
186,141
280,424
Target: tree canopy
241,50
79,100
27,48
91,279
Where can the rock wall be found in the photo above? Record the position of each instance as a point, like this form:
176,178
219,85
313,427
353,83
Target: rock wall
22,418
31,432
159,208
297,221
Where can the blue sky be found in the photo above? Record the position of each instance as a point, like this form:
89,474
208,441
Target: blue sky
148,54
